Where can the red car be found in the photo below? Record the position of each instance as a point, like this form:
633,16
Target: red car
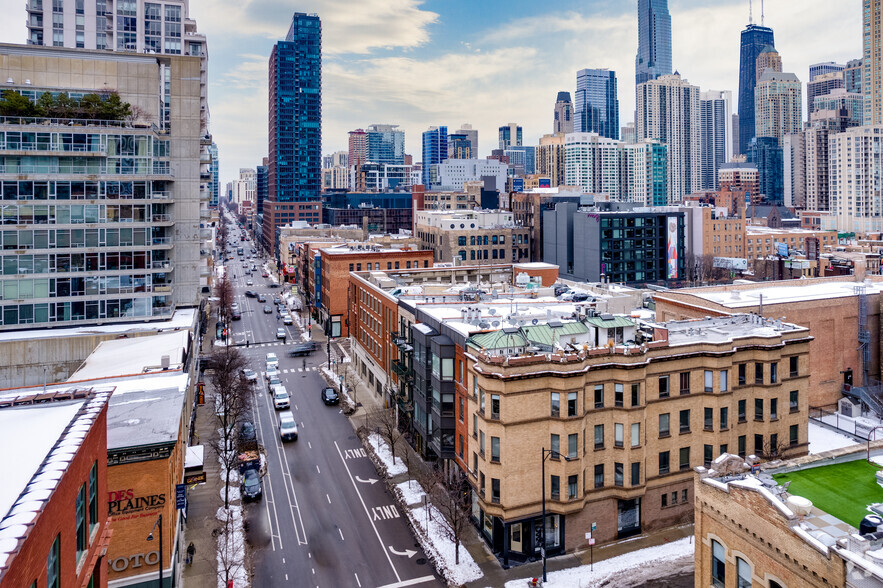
265,275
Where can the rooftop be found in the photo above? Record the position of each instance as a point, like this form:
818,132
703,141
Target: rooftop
784,292
723,329
149,417
135,355
184,318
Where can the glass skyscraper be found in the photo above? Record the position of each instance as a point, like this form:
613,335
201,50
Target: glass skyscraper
435,150
754,40
654,40
766,154
386,144
597,108
216,181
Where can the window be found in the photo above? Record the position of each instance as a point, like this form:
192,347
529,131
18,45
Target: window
571,404
664,499
474,462
774,445
556,404
481,443
774,372
617,435
617,474
724,420
636,434
461,241
636,473
741,411
599,475
685,382
82,533
599,436
792,435
742,446
664,425
708,413
663,462
495,407
53,579
709,381
708,454
792,366
774,409
636,395
758,444
495,490
674,497
685,421
572,445
481,401
725,376
684,495
462,407
572,483
741,374
556,446
743,572
495,449
481,483
718,565
599,396
684,458
617,395
663,386
556,488
93,496
758,373
792,401
758,409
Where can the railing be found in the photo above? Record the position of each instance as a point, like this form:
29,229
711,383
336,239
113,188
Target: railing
97,170
34,5
70,122
165,264
162,240
62,148
161,218
161,195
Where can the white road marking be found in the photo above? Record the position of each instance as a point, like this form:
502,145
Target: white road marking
328,498
310,445
357,579
318,470
412,582
341,534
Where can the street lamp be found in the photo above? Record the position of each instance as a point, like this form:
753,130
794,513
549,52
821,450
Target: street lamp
150,538
546,453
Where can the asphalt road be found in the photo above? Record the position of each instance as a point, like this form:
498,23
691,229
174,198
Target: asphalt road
324,520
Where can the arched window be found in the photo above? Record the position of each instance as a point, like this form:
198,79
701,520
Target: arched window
774,584
743,573
718,565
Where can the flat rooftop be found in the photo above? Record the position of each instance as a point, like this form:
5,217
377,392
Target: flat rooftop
182,319
801,291
147,417
722,329
135,355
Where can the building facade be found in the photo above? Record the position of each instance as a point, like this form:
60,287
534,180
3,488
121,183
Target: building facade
454,173
754,39
596,109
855,161
820,85
716,139
872,62
654,41
472,237
766,154
550,158
563,117
510,135
778,106
386,144
435,150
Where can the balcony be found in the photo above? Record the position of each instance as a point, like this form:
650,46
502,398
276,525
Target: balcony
162,218
160,195
402,370
34,6
164,264
163,241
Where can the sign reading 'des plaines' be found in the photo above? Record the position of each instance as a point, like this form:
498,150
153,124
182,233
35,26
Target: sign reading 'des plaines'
121,502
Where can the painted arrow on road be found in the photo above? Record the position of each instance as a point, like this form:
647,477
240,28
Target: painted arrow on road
368,481
408,552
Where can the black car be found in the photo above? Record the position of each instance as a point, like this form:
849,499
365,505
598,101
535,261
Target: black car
246,433
250,293
237,315
262,298
252,488
273,285
330,396
302,349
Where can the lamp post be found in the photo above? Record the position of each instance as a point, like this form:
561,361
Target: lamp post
150,538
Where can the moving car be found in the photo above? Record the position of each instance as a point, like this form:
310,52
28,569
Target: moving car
273,285
262,298
268,309
287,426
302,349
330,396
249,282
281,333
265,275
272,360
280,398
250,375
250,294
286,319
252,489
237,315
272,372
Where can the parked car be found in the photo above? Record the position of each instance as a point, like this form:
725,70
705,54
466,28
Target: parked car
234,306
330,396
246,433
280,398
272,372
237,315
272,360
287,426
281,333
250,375
276,300
302,349
286,319
252,488
274,381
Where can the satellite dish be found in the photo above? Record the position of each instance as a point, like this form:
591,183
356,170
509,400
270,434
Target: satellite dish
496,323
492,311
484,325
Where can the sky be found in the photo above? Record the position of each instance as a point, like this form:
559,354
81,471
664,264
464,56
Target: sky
446,62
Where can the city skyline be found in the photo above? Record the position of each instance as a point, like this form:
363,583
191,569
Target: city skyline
413,63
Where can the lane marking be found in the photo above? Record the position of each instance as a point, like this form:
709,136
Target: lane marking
317,468
341,533
413,582
328,498
357,579
310,445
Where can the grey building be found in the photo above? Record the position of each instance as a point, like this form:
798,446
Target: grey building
596,109
654,41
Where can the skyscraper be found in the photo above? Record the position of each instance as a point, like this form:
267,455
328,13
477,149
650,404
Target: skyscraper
563,122
471,136
716,140
358,147
852,76
295,170
755,39
435,150
213,149
654,40
856,165
766,154
668,110
821,85
597,107
872,61
777,105
459,146
386,144
768,59
510,135
818,69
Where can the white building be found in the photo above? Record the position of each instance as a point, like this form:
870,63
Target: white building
717,134
855,165
453,173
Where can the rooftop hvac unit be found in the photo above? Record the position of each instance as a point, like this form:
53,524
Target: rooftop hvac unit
849,407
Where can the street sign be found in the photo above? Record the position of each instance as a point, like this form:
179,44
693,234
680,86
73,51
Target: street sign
594,526
591,540
191,479
588,536
180,496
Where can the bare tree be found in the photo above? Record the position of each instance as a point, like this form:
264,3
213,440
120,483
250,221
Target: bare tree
384,422
224,294
450,497
230,553
774,450
232,398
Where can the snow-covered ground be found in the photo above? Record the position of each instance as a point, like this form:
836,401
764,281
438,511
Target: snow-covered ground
383,452
441,546
231,548
412,492
629,569
823,439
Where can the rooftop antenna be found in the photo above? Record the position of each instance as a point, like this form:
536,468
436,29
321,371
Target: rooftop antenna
750,17
761,12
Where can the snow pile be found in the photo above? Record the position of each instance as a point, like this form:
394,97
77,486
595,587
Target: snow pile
334,379
412,492
437,543
381,449
231,548
628,569
823,439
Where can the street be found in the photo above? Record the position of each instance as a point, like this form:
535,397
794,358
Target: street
325,519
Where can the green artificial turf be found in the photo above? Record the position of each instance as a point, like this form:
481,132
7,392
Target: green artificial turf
843,490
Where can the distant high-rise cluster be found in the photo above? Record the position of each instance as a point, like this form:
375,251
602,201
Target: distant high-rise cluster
654,41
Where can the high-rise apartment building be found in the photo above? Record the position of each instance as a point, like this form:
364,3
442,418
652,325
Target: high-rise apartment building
102,213
262,185
821,85
295,150
654,41
872,61
216,180
563,122
838,110
794,167
826,67
777,105
628,134
855,164
766,154
852,76
510,135
471,136
768,58
435,150
755,39
460,146
550,158
597,107
716,137
816,168
386,144
668,110
358,147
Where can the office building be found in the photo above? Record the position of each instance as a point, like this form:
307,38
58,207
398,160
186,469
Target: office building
380,177
295,129
668,110
766,154
852,76
143,183
216,181
522,160
472,236
550,158
358,147
838,110
855,164
654,41
777,105
767,59
460,147
872,61
435,150
510,135
821,85
471,135
826,67
563,121
262,188
596,109
386,144
755,39
454,173
716,138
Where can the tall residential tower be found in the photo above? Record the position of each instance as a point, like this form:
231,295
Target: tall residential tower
654,40
563,122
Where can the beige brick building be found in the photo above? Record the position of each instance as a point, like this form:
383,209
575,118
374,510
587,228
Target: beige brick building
472,237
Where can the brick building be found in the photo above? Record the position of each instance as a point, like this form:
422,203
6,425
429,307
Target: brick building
761,241
277,215
52,510
472,236
740,177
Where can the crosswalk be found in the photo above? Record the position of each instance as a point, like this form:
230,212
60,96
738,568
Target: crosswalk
294,370
255,345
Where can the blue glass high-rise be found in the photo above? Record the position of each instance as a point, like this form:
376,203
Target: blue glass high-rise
654,40
754,39
213,149
766,154
386,144
596,109
435,150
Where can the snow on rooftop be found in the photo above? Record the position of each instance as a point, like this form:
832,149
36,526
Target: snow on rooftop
120,357
144,418
823,439
182,319
497,312
785,293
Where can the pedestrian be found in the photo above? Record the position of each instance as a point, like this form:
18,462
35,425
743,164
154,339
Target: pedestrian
305,364
191,549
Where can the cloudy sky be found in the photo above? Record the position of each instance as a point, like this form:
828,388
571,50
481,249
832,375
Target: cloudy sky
445,62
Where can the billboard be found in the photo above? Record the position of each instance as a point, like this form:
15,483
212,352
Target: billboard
731,263
518,184
544,183
781,249
672,249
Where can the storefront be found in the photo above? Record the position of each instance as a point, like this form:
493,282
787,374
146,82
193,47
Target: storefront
520,540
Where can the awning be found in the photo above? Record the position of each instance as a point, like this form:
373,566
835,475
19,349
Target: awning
194,458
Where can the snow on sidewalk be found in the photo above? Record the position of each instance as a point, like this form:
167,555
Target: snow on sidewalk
608,569
231,548
412,492
824,439
437,542
383,453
